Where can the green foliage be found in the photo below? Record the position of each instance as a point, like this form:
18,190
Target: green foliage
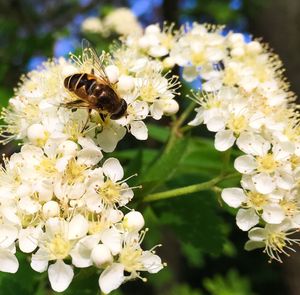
163,167
231,284
195,221
184,290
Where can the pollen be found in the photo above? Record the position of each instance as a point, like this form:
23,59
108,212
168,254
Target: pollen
109,192
47,167
237,123
59,247
198,58
256,200
130,257
289,207
148,92
74,172
267,163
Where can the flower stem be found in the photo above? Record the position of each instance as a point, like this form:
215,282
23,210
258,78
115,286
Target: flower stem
226,161
175,132
189,189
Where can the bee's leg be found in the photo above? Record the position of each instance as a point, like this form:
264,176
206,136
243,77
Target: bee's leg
103,117
93,71
87,120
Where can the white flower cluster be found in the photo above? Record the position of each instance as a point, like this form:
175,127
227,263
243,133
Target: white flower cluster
60,201
120,21
245,100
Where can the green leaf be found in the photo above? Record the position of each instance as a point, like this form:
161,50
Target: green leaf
163,167
195,220
159,133
193,254
184,289
231,284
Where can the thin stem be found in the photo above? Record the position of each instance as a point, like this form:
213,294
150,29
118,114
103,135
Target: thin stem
226,160
175,132
189,189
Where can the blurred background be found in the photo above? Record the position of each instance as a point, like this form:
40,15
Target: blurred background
31,31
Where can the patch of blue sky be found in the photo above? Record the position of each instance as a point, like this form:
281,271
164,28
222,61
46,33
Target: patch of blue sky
236,4
35,61
63,46
187,4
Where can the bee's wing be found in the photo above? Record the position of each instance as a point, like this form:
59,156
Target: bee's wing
76,104
90,55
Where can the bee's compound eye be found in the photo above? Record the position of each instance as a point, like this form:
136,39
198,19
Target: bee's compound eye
121,110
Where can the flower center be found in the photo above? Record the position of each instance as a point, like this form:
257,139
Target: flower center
59,247
289,207
266,163
237,124
130,258
276,241
256,200
148,92
230,77
47,167
198,58
295,161
109,192
74,172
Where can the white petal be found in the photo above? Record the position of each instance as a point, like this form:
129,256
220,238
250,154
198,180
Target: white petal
110,136
60,275
273,213
263,183
81,254
101,255
38,265
252,245
245,164
139,130
78,227
253,144
257,234
215,124
246,218
113,169
224,140
8,234
233,197
113,240
8,261
285,181
189,73
28,239
151,262
111,278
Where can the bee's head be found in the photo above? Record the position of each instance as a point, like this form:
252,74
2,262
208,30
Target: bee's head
121,111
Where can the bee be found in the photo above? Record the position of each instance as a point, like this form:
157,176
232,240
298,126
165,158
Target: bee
94,91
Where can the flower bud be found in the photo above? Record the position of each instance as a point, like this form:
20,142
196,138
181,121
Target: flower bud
112,73
126,83
238,51
236,38
101,255
51,209
168,62
133,221
36,132
171,107
254,47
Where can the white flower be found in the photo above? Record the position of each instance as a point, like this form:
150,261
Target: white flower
106,190
131,259
273,238
8,260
